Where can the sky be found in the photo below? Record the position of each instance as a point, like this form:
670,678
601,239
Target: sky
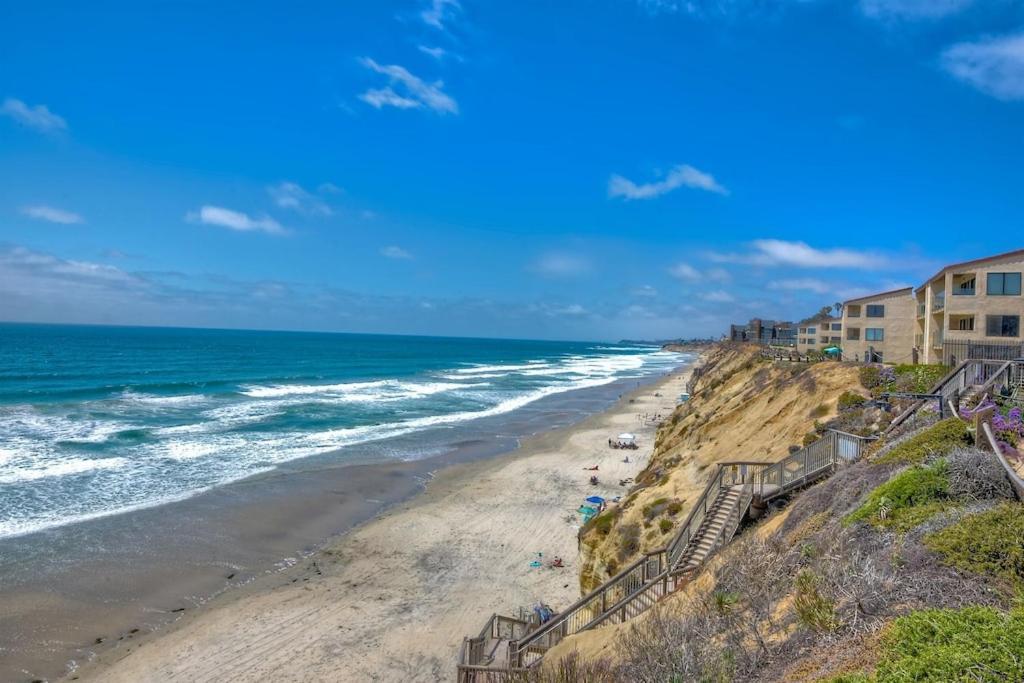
588,170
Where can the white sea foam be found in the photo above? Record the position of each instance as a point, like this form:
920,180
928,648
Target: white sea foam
32,471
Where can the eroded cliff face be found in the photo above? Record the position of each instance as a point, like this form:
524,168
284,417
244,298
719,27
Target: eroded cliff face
742,408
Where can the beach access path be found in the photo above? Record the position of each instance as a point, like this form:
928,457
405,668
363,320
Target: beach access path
392,599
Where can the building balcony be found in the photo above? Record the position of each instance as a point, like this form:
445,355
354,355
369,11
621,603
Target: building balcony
921,310
938,302
966,291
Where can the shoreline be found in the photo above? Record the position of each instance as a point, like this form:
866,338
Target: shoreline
359,607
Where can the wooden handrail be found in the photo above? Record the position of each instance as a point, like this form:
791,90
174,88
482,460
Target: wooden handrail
1015,480
751,476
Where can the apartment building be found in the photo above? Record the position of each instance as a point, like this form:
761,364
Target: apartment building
971,310
880,327
765,332
817,333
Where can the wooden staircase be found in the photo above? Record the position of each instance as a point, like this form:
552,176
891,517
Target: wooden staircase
712,522
706,539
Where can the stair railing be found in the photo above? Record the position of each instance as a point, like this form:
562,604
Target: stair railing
657,571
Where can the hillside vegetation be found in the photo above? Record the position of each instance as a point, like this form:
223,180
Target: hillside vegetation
742,408
905,566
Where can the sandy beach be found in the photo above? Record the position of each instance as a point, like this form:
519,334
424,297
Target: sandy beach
393,599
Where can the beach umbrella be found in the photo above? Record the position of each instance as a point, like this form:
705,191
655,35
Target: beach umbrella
597,500
626,436
831,350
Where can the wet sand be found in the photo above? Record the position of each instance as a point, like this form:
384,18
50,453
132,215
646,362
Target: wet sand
392,599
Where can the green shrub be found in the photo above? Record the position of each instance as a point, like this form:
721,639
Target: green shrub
919,379
819,411
665,525
990,542
906,500
602,524
814,610
849,399
969,644
870,376
938,439
674,508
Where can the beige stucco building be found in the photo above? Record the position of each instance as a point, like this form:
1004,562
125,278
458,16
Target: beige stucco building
818,333
880,328
975,303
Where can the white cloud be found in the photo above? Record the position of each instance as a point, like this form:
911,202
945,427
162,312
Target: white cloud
38,117
684,271
329,188
771,252
394,252
802,285
644,291
680,176
555,264
912,9
415,92
718,296
993,65
438,12
289,195
235,220
435,52
52,214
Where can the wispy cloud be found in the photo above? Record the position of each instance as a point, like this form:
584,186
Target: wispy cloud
645,291
235,220
913,9
397,253
772,252
438,12
437,53
557,264
718,296
289,195
52,214
680,176
802,285
38,117
686,272
993,65
413,92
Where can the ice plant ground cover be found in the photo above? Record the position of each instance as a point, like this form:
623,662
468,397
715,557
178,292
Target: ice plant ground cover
1007,422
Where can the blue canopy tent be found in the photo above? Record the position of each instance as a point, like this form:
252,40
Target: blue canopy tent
597,500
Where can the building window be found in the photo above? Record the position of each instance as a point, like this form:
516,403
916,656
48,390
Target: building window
874,334
811,342
876,311
853,333
836,327
834,340
812,330
1002,325
965,324
853,311
803,330
1003,284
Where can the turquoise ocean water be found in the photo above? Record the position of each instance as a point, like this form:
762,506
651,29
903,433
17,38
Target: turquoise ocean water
100,420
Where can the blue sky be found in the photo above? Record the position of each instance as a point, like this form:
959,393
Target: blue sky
577,170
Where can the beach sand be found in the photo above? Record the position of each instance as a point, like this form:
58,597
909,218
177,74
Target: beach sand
393,599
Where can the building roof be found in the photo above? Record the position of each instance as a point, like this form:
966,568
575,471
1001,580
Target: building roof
891,292
964,264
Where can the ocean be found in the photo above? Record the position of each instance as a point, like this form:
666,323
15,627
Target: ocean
95,421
